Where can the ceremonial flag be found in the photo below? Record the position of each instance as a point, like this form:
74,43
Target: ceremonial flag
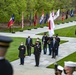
35,19
22,21
51,25
46,18
57,14
42,18
11,22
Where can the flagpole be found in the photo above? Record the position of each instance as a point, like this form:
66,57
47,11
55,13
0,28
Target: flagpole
13,29
22,23
10,29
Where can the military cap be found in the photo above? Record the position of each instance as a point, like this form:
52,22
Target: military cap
5,41
60,68
70,64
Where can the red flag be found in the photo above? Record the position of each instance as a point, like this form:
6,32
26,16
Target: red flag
11,22
35,19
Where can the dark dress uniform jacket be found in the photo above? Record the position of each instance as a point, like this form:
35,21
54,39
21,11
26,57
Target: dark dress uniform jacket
22,51
37,50
5,67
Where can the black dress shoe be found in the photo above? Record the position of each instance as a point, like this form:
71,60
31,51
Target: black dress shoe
36,65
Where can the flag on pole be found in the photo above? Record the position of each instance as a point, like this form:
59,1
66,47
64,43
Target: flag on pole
46,18
51,25
35,19
11,22
42,18
22,21
53,14
57,14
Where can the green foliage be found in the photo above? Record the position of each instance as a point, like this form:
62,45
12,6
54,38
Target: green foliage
9,7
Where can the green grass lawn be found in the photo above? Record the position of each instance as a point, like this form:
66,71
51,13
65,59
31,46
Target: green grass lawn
65,32
71,57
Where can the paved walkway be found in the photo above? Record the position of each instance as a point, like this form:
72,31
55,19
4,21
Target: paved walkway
45,60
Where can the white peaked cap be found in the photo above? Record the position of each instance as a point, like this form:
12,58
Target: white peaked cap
37,40
70,64
60,68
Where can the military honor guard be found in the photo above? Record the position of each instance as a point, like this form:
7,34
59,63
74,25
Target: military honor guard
69,67
58,69
5,66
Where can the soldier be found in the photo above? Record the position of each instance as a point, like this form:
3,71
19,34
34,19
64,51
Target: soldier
69,67
58,69
5,66
37,52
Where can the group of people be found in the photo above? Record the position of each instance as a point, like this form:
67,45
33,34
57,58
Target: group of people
53,44
6,67
48,43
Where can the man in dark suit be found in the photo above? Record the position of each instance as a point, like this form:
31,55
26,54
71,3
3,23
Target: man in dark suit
22,52
5,66
28,45
44,42
37,53
54,45
58,40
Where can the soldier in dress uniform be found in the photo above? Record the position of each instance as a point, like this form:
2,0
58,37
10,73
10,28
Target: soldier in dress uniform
5,66
58,69
69,67
37,52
